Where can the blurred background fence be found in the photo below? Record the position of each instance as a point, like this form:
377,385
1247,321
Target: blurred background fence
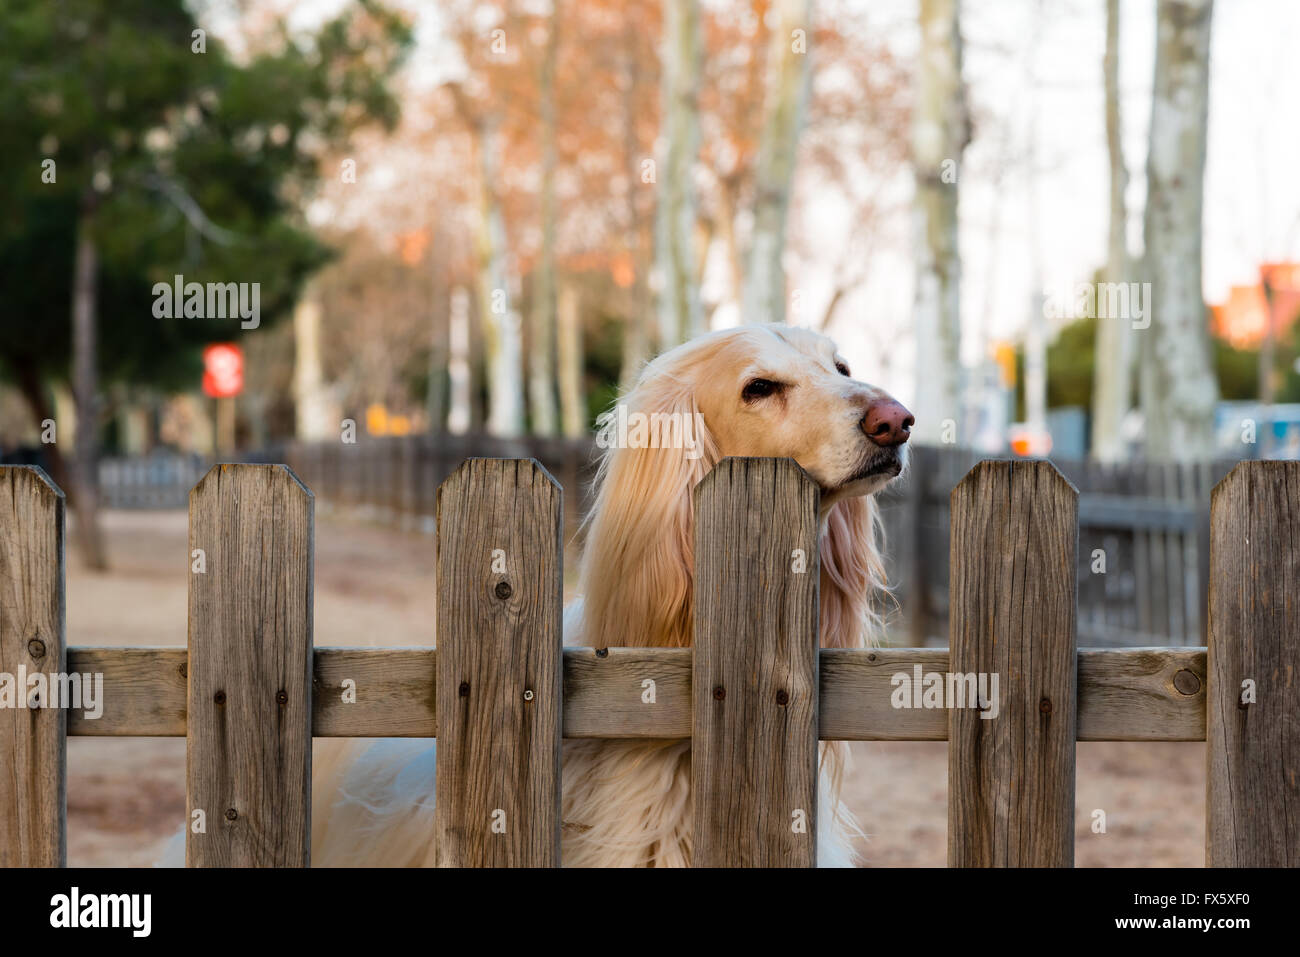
1143,527
1143,548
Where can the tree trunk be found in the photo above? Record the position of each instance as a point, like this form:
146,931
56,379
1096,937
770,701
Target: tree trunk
637,329
85,384
460,414
435,394
500,319
541,364
313,418
1267,364
680,314
33,391
785,103
1178,387
573,409
1111,365
940,132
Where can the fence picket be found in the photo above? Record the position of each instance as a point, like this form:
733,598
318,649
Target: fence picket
754,739
1013,614
747,693
248,733
33,802
1252,800
500,595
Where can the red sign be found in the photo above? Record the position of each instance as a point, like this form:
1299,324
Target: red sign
223,370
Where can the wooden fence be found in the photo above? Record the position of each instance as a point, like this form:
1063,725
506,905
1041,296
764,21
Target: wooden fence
1146,523
150,481
754,694
1143,561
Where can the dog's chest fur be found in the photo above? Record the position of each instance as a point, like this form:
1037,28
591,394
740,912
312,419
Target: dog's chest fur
629,804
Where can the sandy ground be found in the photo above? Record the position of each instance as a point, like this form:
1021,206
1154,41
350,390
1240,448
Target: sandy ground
375,586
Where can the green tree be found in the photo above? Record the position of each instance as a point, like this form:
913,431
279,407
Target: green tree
133,148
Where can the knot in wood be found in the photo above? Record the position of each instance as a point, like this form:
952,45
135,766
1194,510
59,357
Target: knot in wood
1186,682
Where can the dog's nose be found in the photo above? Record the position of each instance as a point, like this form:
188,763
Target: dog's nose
887,423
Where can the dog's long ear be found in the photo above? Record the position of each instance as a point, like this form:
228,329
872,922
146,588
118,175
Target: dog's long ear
638,562
852,580
852,574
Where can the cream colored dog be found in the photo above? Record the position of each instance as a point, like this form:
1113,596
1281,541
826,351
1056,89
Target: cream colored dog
760,391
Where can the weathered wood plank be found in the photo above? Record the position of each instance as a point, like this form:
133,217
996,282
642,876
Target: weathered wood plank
33,753
1252,791
248,737
1012,615
499,675
391,695
1141,694
606,695
144,691
1125,694
754,728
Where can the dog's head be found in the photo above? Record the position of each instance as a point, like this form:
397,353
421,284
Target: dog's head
771,391
784,392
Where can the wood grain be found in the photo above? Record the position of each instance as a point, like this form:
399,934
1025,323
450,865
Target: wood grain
604,691
33,756
248,737
1141,694
1012,614
1125,694
499,665
394,693
1252,790
754,730
144,691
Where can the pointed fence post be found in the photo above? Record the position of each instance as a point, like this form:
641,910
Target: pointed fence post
500,594
33,735
248,730
1012,614
1252,801
754,741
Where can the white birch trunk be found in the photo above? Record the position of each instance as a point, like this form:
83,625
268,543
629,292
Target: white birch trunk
679,310
940,132
1112,364
541,360
1178,388
313,410
764,296
459,414
501,323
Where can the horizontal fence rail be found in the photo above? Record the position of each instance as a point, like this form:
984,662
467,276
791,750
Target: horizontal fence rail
1125,694
755,694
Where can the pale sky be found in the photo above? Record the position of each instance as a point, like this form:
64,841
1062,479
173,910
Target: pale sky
1252,190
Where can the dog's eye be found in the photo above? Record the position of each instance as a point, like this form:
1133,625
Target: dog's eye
759,389
841,368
